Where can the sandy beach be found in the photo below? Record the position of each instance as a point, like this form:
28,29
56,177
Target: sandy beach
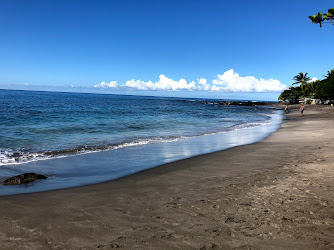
274,194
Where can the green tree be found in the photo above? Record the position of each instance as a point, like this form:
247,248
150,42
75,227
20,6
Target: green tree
323,18
301,79
329,73
311,88
325,88
292,95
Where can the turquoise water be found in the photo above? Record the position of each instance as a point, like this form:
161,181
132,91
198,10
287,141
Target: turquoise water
79,139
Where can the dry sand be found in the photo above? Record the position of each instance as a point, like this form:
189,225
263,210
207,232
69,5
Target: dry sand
274,194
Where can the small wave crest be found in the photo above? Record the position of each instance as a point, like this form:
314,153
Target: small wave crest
10,157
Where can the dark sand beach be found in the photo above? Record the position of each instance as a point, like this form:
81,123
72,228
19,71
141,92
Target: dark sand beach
274,194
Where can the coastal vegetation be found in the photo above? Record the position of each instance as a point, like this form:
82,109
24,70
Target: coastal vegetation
301,79
319,89
307,89
323,18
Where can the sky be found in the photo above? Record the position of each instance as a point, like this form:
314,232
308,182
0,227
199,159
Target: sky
237,49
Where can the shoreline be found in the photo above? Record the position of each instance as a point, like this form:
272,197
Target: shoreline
276,193
97,167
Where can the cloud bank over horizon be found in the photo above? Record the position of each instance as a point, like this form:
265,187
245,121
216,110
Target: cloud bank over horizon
104,85
229,81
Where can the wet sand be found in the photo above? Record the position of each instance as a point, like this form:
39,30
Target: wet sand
274,194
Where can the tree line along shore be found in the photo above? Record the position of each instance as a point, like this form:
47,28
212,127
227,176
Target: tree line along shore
307,91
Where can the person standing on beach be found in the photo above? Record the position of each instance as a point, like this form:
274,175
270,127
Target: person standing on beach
286,109
302,109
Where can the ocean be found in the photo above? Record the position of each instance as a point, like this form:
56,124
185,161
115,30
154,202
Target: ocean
78,139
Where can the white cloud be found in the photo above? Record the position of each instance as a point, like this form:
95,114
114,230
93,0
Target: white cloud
203,84
231,81
138,84
164,83
215,88
104,85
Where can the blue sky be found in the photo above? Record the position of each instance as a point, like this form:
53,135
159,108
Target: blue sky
246,49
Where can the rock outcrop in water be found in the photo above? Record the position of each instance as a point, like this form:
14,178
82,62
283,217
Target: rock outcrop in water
23,179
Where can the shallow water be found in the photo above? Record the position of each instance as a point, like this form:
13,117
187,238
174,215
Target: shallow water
106,165
39,125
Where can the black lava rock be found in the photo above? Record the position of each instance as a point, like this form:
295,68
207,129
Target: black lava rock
23,179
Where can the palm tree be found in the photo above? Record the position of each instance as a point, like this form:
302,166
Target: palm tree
311,87
302,79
